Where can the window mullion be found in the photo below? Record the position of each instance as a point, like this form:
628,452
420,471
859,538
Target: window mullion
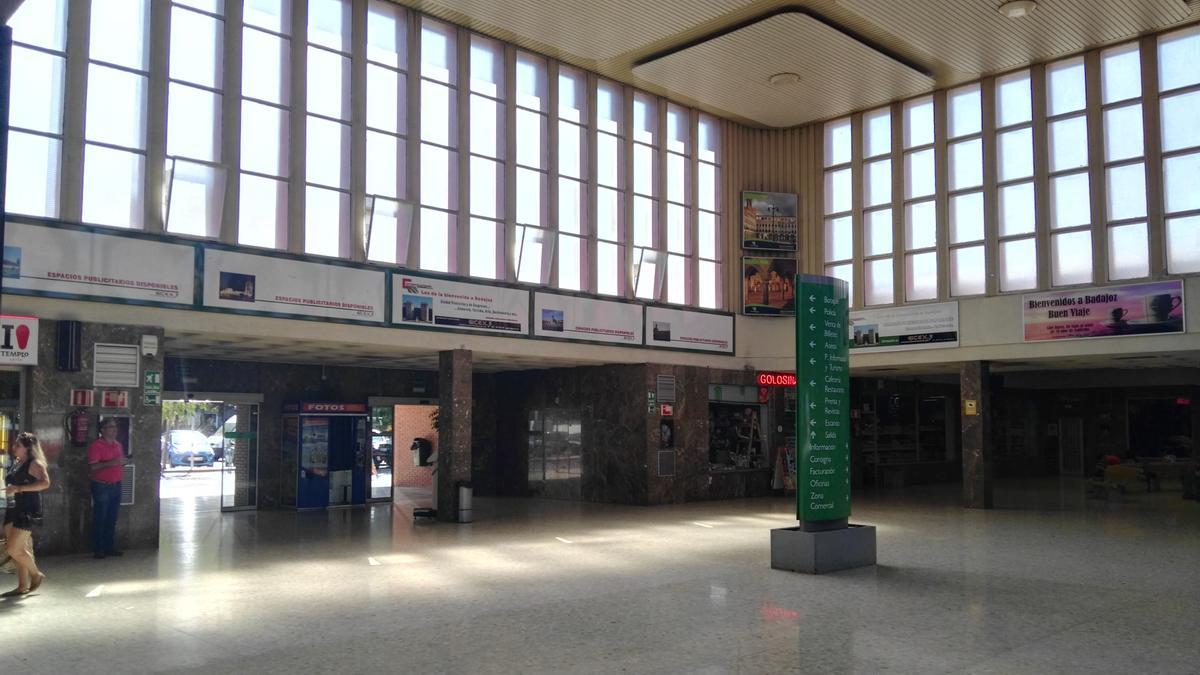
627,289
1098,186
297,125
358,129
74,110
460,240
941,185
1152,144
1041,182
156,116
590,282
991,196
551,224
510,164
412,248
660,203
692,197
231,121
899,196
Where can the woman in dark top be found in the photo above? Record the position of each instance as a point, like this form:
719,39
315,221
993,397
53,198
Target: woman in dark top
25,480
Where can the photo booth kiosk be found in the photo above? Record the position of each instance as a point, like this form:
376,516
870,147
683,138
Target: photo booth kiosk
328,446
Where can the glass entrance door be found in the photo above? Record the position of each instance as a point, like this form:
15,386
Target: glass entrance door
239,462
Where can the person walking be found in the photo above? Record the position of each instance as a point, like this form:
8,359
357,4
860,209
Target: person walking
107,459
27,478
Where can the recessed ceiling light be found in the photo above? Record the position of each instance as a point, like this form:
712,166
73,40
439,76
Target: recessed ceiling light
1018,8
783,79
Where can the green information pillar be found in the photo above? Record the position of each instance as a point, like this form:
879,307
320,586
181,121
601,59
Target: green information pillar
823,397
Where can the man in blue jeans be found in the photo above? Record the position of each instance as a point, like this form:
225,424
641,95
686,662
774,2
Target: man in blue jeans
107,460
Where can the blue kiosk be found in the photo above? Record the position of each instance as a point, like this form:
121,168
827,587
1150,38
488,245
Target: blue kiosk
328,445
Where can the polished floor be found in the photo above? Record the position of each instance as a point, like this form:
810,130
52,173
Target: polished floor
1048,582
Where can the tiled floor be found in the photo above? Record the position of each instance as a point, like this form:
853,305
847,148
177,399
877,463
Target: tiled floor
1047,583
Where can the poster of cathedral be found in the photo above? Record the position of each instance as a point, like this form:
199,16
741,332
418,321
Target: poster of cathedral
769,221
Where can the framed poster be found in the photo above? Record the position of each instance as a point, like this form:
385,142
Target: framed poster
769,221
901,328
455,305
768,286
567,317
682,329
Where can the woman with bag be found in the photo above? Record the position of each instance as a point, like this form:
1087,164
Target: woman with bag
27,477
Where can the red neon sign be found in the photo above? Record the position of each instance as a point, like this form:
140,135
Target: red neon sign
776,379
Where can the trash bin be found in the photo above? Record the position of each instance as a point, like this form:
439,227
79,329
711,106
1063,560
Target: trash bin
464,503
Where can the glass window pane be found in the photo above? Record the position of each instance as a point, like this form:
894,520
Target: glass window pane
918,122
1183,245
1013,99
435,240
677,229
264,139
877,228
608,160
572,95
708,234
193,123
484,237
1068,144
486,126
571,213
439,186
877,282
709,138
1070,201
608,268
677,178
1120,73
676,279
329,23
327,148
1065,85
570,154
877,133
708,284
1126,192
116,107
570,256
437,51
385,165
118,32
531,82
37,80
438,121
32,178
485,188
643,221
531,139
846,274
706,186
608,107
966,217
1181,182
42,23
920,225
678,129
1178,54
390,227
196,48
877,182
839,239
273,15
531,203
918,174
1123,133
326,221
1016,154
384,95
645,275
386,33
329,74
1071,258
265,60
966,116
966,164
1018,265
645,169
262,212
608,214
920,276
837,142
1180,121
837,191
112,187
1128,252
968,271
645,119
1016,209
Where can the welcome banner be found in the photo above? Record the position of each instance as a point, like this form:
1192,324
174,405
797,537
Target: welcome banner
1136,309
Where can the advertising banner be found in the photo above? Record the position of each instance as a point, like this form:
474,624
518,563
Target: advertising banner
903,328
767,286
437,303
680,329
769,221
567,317
823,388
18,340
1136,309
100,266
260,283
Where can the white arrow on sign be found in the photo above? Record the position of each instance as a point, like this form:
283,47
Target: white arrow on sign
812,383
812,298
812,310
811,327
812,404
812,344
812,423
812,361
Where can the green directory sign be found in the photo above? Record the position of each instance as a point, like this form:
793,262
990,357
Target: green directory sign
823,395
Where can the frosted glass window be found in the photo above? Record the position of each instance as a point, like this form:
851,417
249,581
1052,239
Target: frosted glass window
968,271
918,174
837,191
846,274
1016,209
386,33
112,187
676,279
966,217
677,178
1120,73
1128,252
437,52
645,119
877,183
435,240
608,268
571,213
877,282
570,150
32,178
487,69
1070,201
196,50
1013,99
264,134
918,122
438,187
920,276
709,137
707,236
708,284
326,221
385,165
486,126
966,115
877,226
384,95
706,179
643,222
676,229
645,275
484,235
328,82
1180,121
42,23
677,128
531,139
1068,144
438,121
193,123
265,60
920,225
212,6
608,107
572,99
1065,85
262,212
877,133
1181,182
531,188
118,32
1183,245
966,164
1016,154
1071,258
1123,133
608,214
531,82
329,23
530,245
273,15
644,172
1178,54
327,146
839,239
485,183
389,225
608,160
837,142
1126,192
1018,265
37,79
116,107
570,256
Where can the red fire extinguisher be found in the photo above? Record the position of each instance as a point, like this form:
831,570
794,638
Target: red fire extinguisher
79,428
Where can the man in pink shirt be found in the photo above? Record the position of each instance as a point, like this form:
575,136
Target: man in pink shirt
107,459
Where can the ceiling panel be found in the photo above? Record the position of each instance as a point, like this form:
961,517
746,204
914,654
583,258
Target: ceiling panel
732,72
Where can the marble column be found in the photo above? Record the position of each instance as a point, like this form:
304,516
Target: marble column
974,379
454,429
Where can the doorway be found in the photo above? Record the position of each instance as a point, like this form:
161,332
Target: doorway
208,455
403,447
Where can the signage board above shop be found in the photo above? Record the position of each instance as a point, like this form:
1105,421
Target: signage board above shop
772,379
18,340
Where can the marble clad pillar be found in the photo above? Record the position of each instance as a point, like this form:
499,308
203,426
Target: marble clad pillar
454,428
974,379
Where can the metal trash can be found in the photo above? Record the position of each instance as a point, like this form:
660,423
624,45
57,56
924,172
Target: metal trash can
465,497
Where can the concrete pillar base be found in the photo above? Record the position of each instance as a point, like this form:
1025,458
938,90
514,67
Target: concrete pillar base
795,550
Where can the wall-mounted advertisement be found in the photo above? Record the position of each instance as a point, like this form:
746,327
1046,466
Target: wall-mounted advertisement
259,283
769,221
903,328
1135,309
566,317
437,303
18,340
100,266
681,329
767,286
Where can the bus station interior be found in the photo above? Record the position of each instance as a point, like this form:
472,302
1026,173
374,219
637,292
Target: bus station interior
294,388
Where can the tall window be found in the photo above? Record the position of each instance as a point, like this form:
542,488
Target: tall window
968,267
439,143
647,262
1179,103
487,158
920,209
327,133
1014,172
532,245
839,222
709,240
610,191
266,99
36,112
1124,162
877,215
1069,182
388,228
679,234
572,176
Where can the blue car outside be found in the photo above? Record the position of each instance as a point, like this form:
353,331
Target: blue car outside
188,448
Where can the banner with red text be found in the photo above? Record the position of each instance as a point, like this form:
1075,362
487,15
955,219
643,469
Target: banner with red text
568,317
1136,309
439,303
681,329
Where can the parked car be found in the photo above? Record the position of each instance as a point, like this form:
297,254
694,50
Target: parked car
186,447
381,455
217,440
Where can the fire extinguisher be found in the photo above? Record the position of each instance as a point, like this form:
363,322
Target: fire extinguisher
79,427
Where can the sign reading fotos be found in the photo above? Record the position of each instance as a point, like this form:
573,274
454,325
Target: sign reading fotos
903,328
18,340
769,221
681,329
567,317
425,301
767,286
1136,309
262,283
100,266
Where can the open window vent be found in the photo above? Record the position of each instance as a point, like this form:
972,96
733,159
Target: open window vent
115,366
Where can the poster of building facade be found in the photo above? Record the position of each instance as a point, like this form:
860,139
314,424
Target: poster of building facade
1135,309
438,303
769,221
903,328
768,286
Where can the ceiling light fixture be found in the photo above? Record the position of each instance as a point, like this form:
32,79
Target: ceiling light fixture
1015,9
783,79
